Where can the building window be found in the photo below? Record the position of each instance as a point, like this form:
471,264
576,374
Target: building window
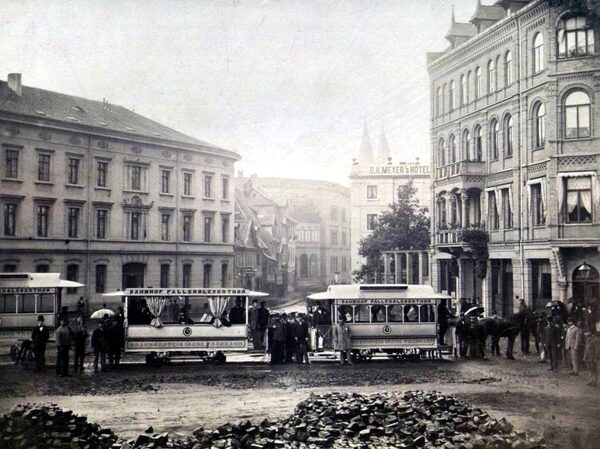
44,167
73,166
538,212
466,144
73,222
187,184
187,228
344,263
100,278
371,221
135,219
575,37
371,192
494,138
225,228
225,188
136,177
208,186
541,283
333,213
493,217
577,115
9,268
538,53
452,149
464,90
491,76
186,280
43,216
334,237
10,219
508,136
508,68
101,173
207,228
101,223
207,271
478,86
165,225
441,153
165,181
477,144
164,275
539,123
438,102
578,199
42,268
344,238
72,275
507,215
343,215
12,164
452,96
224,274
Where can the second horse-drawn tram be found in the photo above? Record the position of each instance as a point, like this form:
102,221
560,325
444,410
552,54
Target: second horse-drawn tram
205,322
391,319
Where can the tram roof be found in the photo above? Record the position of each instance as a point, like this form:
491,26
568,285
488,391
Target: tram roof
186,292
35,280
380,291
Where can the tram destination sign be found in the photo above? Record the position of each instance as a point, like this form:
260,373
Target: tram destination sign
386,301
26,290
185,291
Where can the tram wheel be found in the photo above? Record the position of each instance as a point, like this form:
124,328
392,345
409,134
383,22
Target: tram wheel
219,358
152,359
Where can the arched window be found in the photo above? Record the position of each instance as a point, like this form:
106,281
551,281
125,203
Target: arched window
508,68
478,82
494,138
442,211
452,149
491,76
441,153
452,96
477,144
539,123
508,136
538,53
439,102
575,37
303,266
577,115
444,92
466,144
463,90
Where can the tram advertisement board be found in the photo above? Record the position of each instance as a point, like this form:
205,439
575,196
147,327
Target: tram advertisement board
385,301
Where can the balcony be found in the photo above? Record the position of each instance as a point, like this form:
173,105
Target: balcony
463,168
454,236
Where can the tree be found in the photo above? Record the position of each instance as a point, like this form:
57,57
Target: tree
404,226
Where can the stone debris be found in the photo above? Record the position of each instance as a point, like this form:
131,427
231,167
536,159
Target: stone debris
410,420
48,426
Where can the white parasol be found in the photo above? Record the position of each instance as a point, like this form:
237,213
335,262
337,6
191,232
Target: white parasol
99,314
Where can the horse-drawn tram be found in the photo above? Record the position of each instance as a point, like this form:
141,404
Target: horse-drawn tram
396,320
169,322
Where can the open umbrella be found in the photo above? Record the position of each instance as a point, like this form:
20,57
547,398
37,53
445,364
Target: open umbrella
99,314
477,310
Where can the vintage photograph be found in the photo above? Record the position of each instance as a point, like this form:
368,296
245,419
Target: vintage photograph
303,224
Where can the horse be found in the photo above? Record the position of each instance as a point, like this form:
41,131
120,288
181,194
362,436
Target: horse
509,327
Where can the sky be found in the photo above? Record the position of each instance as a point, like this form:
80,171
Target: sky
288,84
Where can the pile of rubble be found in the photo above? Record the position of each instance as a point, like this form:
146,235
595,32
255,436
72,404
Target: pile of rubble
49,426
405,420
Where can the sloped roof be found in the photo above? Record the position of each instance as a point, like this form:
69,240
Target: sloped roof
488,12
459,29
44,105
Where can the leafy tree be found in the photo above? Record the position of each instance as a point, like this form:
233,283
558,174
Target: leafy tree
404,226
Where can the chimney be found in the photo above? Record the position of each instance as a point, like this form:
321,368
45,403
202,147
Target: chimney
14,83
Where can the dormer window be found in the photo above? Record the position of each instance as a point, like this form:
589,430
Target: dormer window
575,37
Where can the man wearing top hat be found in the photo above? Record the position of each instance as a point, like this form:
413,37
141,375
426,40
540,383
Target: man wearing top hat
39,338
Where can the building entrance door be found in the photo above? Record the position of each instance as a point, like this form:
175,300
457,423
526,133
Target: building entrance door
133,275
502,287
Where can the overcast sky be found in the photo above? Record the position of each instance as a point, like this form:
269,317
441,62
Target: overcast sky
288,84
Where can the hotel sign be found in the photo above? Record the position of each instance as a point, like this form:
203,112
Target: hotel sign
399,170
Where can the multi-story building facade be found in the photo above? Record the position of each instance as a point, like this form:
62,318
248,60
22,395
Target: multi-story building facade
374,182
516,153
322,212
110,198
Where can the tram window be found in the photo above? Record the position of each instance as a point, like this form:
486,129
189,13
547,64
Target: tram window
45,303
411,314
346,312
8,304
361,314
427,313
27,304
377,314
137,311
395,313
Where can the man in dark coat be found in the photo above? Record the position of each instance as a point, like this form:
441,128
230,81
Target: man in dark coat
443,315
99,347
63,345
553,341
79,339
300,332
114,340
262,321
278,339
39,339
462,335
290,342
237,314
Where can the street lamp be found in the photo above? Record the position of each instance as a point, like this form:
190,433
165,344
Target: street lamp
584,271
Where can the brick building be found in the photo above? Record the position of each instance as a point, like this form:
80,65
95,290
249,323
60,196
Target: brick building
516,154
109,198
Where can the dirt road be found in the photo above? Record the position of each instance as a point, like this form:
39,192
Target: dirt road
181,397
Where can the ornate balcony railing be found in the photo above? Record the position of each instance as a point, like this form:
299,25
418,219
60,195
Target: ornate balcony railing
454,235
462,168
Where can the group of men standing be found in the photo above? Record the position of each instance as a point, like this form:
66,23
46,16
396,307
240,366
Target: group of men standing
288,338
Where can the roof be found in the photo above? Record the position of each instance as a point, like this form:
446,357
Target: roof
35,280
459,29
44,105
378,291
488,12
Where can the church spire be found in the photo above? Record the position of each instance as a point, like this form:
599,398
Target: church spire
365,153
383,152
453,19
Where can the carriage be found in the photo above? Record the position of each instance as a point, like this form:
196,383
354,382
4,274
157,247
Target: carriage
395,320
164,323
